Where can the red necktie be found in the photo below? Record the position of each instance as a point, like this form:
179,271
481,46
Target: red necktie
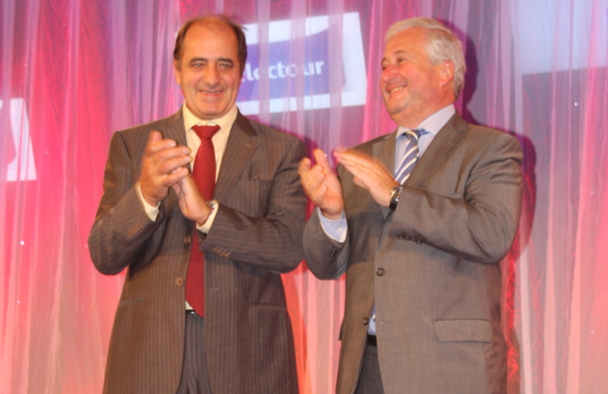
203,174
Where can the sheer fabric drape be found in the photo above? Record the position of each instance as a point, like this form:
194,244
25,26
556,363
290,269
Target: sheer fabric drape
72,72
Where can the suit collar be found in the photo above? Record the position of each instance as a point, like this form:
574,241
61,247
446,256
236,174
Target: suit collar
242,142
446,140
383,150
175,128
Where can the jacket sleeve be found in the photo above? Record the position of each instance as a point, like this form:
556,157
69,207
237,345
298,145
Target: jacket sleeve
326,258
122,226
272,241
477,223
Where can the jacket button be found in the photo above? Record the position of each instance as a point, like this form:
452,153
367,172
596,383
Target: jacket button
365,321
380,272
179,282
188,239
418,242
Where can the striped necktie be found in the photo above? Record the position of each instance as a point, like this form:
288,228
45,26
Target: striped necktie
410,157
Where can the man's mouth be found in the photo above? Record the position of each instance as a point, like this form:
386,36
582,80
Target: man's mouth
395,89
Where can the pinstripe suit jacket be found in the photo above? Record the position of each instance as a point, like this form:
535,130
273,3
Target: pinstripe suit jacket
431,267
256,236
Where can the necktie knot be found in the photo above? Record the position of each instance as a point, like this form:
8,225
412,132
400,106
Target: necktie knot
415,133
206,131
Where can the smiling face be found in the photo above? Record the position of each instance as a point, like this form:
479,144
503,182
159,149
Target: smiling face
208,71
413,88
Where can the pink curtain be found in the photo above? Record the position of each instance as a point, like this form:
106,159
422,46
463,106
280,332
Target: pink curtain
73,71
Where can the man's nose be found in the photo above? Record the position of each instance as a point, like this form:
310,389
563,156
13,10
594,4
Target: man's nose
211,75
388,73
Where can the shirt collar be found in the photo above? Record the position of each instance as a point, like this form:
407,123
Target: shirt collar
435,122
225,122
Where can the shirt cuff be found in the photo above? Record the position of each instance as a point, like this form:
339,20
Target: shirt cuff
151,211
335,229
205,227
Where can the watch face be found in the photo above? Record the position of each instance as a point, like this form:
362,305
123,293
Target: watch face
395,193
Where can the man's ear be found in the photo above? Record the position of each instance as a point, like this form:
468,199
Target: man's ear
176,71
446,72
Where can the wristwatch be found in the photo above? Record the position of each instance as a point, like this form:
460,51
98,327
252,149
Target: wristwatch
395,194
212,204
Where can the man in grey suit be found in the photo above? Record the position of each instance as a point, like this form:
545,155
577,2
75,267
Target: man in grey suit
420,247
239,339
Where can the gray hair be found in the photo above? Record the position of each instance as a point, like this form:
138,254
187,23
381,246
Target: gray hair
441,45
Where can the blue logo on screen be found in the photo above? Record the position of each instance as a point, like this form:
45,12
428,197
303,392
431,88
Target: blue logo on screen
282,71
291,76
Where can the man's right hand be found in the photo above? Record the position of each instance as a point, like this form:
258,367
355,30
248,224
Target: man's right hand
322,185
163,165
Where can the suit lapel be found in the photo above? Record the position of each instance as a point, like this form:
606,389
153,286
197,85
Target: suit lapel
241,144
443,144
175,129
384,152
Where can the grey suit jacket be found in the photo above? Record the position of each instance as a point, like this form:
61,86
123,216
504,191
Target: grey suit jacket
431,267
255,237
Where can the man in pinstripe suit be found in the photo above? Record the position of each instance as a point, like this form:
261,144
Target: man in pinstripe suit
249,233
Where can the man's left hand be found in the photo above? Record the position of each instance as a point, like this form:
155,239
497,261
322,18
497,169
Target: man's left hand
368,174
190,201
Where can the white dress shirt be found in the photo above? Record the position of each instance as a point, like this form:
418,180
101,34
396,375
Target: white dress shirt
219,145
